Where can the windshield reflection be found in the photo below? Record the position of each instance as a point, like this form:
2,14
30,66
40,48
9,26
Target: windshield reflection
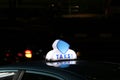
61,64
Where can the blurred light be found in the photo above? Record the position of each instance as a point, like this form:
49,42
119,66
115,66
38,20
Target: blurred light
40,50
20,54
77,6
28,53
78,53
52,5
7,54
6,74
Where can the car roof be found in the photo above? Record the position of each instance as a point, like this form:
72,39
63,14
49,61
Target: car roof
83,69
40,67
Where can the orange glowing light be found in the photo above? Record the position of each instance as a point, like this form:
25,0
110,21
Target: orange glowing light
78,53
28,53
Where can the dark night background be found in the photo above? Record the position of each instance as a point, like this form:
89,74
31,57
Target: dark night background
90,26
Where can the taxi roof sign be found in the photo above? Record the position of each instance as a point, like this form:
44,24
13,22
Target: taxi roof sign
61,51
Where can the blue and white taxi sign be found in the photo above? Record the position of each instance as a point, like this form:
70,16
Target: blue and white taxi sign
60,51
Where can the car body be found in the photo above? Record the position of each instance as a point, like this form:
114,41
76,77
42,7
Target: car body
80,70
42,69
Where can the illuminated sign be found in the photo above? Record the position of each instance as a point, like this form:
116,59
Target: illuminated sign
61,64
60,51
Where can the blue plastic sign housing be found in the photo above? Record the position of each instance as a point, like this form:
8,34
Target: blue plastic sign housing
62,46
